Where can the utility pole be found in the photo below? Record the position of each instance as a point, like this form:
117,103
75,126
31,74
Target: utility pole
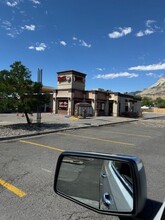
39,76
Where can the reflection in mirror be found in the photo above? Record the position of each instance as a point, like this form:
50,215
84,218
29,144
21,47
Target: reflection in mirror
101,184
116,190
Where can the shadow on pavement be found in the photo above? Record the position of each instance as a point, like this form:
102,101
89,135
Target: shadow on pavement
37,127
149,212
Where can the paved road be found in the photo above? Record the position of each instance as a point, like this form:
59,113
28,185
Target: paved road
29,165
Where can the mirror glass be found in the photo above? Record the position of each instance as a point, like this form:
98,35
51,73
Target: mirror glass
101,184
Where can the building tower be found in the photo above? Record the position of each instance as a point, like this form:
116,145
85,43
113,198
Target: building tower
70,90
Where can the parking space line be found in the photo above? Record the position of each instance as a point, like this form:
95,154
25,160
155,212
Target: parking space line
129,134
41,145
12,188
46,170
98,139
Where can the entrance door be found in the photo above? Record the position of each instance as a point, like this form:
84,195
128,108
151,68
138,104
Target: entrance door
63,107
110,108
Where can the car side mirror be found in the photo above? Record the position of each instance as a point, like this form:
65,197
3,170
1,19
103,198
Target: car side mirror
107,184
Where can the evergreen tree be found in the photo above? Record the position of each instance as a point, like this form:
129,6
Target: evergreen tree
18,92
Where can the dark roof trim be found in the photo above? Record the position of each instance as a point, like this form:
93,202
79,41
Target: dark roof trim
73,72
70,90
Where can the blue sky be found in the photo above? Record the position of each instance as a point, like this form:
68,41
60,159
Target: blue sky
119,44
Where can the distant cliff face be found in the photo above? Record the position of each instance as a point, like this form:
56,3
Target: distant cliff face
156,90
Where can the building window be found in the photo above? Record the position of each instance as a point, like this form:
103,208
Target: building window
126,108
63,105
79,79
102,106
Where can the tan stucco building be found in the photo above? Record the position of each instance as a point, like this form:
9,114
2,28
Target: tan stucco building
71,90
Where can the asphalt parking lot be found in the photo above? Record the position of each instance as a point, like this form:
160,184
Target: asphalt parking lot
28,165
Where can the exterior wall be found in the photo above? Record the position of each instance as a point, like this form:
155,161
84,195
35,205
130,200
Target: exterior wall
155,110
78,94
54,106
94,103
115,109
99,102
129,104
61,93
60,96
71,85
101,95
71,80
137,106
115,99
66,83
159,110
107,107
122,105
70,103
79,86
89,95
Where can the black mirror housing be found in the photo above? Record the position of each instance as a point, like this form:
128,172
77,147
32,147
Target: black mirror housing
119,193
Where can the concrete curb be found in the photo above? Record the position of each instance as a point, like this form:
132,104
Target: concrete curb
62,129
154,117
76,128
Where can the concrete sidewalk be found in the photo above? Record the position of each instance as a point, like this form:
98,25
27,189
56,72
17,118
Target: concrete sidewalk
15,126
48,118
14,118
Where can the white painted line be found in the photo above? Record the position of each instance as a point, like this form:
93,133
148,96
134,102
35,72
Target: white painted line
160,212
46,170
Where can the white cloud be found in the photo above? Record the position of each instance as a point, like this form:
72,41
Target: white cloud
31,47
150,74
29,27
116,75
38,47
36,2
145,32
84,44
74,38
6,25
151,28
149,31
149,23
121,33
159,66
63,43
11,31
11,35
140,34
12,3
41,47
80,42
100,69
154,75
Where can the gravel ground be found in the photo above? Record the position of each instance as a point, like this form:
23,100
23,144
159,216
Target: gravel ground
12,125
25,129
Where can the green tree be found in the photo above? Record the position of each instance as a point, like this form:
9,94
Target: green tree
146,101
18,92
138,97
4,91
159,102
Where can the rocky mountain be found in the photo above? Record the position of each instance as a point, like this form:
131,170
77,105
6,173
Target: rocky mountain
156,90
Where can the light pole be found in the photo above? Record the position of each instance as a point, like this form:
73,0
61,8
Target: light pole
39,103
